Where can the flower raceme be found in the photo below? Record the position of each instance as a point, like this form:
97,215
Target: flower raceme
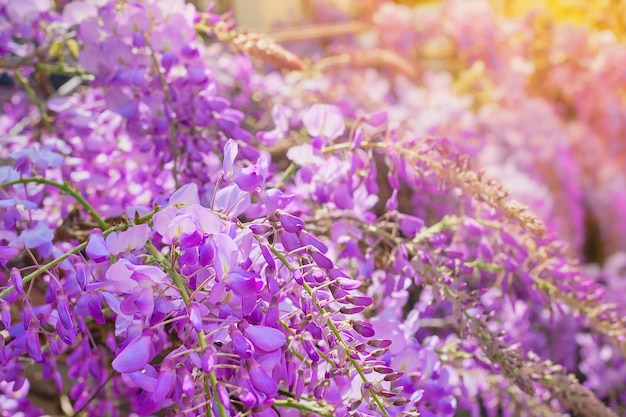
327,253
235,303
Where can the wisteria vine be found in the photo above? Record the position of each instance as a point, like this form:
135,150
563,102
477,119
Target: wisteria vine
198,220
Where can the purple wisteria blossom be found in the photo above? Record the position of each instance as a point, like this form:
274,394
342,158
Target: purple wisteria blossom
194,220
324,120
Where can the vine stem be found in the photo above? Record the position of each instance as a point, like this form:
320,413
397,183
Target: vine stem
178,281
73,251
62,69
289,403
47,266
64,188
32,96
291,169
336,333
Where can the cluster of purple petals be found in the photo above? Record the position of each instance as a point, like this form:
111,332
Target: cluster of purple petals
163,250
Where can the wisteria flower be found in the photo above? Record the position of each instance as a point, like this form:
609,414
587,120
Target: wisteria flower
324,120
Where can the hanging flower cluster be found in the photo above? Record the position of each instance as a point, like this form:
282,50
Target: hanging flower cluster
197,221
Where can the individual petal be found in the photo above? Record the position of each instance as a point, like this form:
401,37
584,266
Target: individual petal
307,239
185,196
126,241
324,120
410,225
311,351
290,241
262,381
303,155
268,256
270,138
207,253
64,309
191,240
227,122
189,256
67,335
360,300
147,381
244,283
33,347
118,277
135,356
82,275
364,330
195,316
165,382
231,149
267,412
320,259
378,118
269,360
274,199
16,280
209,222
37,236
147,275
163,218
473,228
240,344
226,255
290,223
232,199
343,280
247,178
183,224
208,361
266,339
96,248
75,12
5,313
140,301
223,395
94,306
280,116
7,253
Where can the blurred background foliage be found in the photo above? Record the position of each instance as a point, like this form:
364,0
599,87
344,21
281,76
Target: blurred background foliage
566,53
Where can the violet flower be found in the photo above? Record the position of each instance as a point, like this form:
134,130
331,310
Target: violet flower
136,355
96,247
324,120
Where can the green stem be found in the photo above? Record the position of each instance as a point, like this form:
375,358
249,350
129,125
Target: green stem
176,277
182,288
71,252
64,188
291,169
62,69
336,333
46,267
32,96
311,408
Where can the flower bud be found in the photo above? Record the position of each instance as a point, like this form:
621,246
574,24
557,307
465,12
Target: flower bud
16,280
351,309
96,248
363,329
33,347
320,259
82,275
290,223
